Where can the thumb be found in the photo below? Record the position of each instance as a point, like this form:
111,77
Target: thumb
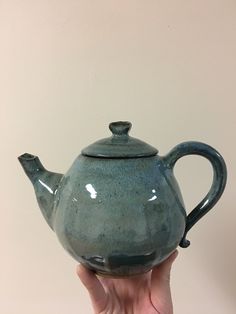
160,281
94,287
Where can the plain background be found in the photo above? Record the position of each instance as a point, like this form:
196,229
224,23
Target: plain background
67,69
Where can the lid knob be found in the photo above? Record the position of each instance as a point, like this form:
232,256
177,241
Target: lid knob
120,127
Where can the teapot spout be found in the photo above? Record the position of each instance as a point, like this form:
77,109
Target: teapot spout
32,166
45,184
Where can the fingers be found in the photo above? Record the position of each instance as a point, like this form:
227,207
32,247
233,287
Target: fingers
94,287
161,273
160,282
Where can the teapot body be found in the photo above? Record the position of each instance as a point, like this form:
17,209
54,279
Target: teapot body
119,217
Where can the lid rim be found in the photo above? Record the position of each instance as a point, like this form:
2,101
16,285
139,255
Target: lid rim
119,157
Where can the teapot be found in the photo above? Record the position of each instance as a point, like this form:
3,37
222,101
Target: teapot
118,210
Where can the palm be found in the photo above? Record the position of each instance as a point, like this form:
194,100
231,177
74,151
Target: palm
128,296
148,293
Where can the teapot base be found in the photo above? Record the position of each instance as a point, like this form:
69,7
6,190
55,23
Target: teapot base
121,265
121,276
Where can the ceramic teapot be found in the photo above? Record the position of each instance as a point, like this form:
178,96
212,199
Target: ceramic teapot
119,210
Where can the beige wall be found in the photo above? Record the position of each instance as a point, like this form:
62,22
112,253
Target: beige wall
70,67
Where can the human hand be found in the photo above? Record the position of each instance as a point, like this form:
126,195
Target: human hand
143,294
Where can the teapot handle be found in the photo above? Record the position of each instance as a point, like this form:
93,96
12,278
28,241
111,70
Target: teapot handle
218,184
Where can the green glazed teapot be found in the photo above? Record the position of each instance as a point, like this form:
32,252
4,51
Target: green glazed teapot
118,210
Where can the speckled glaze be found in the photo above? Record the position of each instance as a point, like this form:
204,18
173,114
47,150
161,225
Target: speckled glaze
121,215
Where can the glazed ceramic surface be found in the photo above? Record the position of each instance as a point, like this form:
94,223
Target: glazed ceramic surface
118,210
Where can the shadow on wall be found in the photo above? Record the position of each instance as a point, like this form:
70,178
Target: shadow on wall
221,258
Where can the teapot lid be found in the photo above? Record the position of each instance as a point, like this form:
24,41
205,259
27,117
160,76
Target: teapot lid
120,144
